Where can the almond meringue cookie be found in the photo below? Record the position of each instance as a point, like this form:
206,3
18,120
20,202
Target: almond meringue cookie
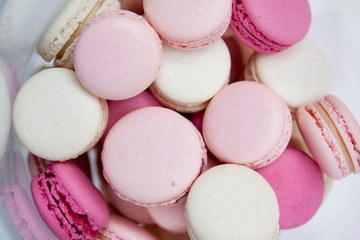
230,202
299,74
189,79
56,118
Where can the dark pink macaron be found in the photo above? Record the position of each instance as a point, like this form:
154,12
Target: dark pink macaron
298,184
68,202
270,26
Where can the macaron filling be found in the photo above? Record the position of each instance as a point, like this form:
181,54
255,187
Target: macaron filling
243,27
72,219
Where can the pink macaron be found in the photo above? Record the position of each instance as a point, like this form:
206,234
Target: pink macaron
332,135
118,109
188,24
152,156
298,184
247,123
118,55
120,228
68,202
270,26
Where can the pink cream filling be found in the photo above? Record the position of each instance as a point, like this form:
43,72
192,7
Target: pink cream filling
69,214
245,28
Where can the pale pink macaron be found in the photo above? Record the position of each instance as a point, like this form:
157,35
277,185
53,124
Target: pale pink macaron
152,156
128,209
118,55
170,218
332,135
118,109
298,184
121,228
247,123
189,24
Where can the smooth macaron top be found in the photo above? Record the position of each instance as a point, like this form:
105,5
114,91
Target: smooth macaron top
248,124
120,228
152,156
231,201
72,213
55,117
189,79
118,55
300,74
167,17
298,184
332,135
270,26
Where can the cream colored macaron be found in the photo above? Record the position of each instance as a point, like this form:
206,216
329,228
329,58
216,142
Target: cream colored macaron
56,118
58,40
299,75
189,79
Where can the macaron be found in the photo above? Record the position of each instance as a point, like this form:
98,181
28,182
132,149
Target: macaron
170,218
298,184
21,212
118,55
270,26
68,212
231,201
189,79
247,123
128,209
332,135
205,21
121,228
152,156
118,109
58,40
300,74
56,118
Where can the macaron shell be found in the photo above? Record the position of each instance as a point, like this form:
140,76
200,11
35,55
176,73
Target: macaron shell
242,114
167,17
321,142
300,74
121,228
231,202
89,198
183,85
171,218
298,184
284,22
54,103
270,26
144,151
131,211
129,66
347,126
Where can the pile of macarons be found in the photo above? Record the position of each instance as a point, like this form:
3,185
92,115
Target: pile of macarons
201,120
